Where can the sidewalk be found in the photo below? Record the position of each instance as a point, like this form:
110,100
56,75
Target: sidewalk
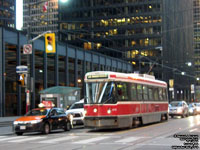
7,121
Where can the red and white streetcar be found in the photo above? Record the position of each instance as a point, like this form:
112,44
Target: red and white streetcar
121,100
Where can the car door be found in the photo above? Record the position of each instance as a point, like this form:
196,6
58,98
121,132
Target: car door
54,119
61,117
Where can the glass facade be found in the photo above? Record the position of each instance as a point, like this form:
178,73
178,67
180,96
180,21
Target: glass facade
126,29
196,16
7,13
42,19
47,70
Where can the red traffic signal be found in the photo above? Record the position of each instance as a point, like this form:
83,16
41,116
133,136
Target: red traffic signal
50,43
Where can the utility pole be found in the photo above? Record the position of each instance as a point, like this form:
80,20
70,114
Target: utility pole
27,89
29,85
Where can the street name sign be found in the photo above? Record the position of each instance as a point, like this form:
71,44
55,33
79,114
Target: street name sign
21,69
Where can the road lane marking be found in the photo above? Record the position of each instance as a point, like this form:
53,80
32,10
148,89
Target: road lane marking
58,139
12,138
140,128
193,130
91,140
127,140
27,139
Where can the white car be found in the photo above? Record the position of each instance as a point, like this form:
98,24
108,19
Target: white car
77,112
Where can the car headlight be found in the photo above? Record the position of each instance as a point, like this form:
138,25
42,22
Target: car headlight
35,121
190,110
179,110
16,122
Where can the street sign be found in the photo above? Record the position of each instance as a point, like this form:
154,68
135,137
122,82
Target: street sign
27,49
21,69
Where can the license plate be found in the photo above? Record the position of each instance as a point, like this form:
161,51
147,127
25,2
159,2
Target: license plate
22,127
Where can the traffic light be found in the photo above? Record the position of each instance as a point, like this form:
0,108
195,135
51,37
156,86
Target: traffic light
50,43
21,79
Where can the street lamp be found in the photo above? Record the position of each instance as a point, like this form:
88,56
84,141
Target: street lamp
63,1
182,73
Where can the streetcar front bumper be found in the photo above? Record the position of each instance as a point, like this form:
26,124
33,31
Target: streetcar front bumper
101,122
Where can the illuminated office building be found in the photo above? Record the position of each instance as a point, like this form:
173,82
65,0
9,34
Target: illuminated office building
41,16
196,16
154,35
7,13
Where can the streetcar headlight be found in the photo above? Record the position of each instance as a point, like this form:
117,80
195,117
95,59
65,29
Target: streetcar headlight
109,111
95,110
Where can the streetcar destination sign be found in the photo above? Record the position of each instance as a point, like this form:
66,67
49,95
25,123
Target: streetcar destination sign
21,69
97,76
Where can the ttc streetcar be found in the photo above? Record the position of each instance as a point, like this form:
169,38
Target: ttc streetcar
121,100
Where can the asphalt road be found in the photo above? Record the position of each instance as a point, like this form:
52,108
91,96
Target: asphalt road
177,133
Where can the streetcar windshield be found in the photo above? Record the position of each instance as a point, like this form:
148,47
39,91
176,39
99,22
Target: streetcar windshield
100,92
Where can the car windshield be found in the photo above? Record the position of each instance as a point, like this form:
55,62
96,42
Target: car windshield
190,105
176,104
37,112
197,104
76,106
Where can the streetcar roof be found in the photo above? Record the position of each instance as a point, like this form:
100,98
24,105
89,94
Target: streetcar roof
99,76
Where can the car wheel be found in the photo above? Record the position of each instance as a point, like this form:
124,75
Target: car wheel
19,133
183,115
67,126
46,129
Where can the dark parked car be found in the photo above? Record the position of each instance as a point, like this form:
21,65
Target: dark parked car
178,108
42,120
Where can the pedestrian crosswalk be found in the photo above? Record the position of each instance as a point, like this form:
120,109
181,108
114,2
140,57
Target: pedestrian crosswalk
72,139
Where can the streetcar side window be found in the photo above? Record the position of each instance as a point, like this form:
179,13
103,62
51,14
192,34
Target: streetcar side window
122,91
133,92
164,94
160,94
145,92
155,94
150,93
139,91
129,91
